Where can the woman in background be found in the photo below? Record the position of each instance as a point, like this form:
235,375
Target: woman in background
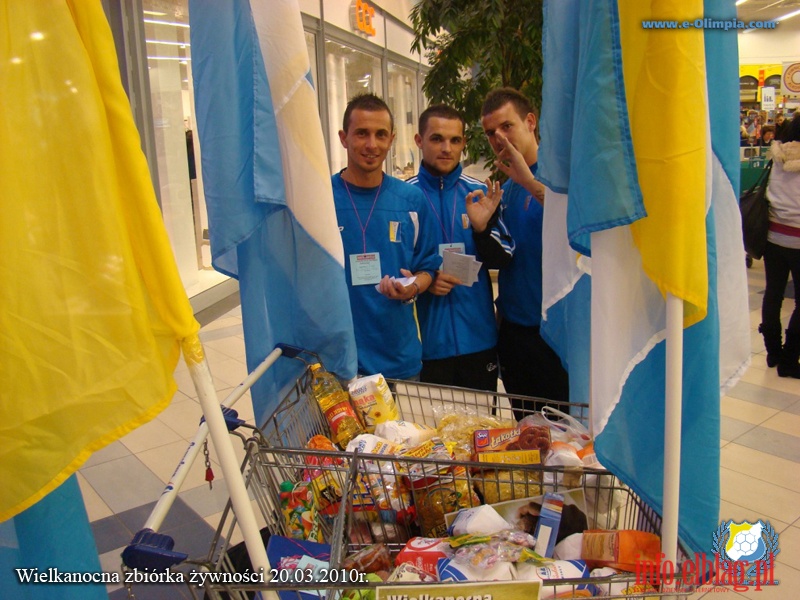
782,255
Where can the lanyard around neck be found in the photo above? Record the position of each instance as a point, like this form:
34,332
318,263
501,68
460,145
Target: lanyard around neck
365,225
438,218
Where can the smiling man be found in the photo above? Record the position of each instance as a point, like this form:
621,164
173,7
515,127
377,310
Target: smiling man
459,331
386,233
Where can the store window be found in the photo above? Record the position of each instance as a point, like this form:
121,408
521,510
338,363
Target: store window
311,46
403,102
349,72
169,64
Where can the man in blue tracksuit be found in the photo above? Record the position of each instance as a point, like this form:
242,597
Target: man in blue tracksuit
459,331
387,232
528,366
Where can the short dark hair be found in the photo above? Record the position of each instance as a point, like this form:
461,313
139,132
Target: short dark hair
501,96
442,111
791,129
368,102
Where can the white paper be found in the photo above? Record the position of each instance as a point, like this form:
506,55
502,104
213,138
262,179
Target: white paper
462,266
406,281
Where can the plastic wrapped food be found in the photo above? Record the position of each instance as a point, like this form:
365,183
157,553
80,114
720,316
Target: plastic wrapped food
499,486
404,432
371,559
458,427
327,484
488,554
373,401
299,512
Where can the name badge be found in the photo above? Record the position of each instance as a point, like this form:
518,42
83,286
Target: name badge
458,248
365,269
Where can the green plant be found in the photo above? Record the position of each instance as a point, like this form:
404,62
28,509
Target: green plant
474,46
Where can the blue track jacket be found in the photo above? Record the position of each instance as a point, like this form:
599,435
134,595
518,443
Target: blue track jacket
462,322
398,225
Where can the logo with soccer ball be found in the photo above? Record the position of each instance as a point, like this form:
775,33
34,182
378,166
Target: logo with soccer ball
746,541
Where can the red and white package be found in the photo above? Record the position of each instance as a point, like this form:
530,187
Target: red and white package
424,552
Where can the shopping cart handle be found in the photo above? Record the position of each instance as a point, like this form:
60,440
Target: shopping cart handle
232,420
151,550
290,351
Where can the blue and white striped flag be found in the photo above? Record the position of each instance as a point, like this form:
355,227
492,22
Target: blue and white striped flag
642,174
267,184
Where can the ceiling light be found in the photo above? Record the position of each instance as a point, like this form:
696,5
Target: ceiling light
788,16
160,14
166,43
172,23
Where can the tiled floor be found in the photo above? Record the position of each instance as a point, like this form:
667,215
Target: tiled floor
760,442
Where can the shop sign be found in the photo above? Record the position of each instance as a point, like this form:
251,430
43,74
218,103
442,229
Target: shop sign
791,79
768,98
362,17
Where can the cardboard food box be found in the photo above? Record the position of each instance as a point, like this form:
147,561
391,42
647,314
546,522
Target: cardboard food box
527,445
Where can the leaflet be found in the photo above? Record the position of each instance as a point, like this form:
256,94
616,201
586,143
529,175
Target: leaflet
463,266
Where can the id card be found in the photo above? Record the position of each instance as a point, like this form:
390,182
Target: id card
365,269
458,248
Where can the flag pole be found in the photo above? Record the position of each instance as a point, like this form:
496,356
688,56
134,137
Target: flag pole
672,427
201,375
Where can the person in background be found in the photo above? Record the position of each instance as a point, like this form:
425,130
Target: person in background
528,366
459,331
387,233
780,121
767,135
782,255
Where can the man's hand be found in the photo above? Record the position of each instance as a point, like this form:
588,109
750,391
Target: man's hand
394,290
481,207
443,283
512,163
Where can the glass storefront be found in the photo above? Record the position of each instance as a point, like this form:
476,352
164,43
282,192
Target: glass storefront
402,99
349,72
352,65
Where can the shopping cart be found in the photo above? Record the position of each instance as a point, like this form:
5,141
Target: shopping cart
275,454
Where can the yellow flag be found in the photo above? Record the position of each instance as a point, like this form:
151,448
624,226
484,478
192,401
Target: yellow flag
665,86
91,306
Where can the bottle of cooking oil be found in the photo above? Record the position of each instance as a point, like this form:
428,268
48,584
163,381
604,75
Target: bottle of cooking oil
335,405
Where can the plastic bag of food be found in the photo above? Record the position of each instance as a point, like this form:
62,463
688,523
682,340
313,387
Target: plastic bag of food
299,512
373,401
500,486
488,554
371,559
457,425
455,570
404,432
327,483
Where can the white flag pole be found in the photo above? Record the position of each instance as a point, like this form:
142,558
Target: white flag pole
201,375
672,427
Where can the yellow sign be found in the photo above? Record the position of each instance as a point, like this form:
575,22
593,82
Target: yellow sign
363,17
486,590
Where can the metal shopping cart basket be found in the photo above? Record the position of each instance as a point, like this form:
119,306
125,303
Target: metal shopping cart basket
368,509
